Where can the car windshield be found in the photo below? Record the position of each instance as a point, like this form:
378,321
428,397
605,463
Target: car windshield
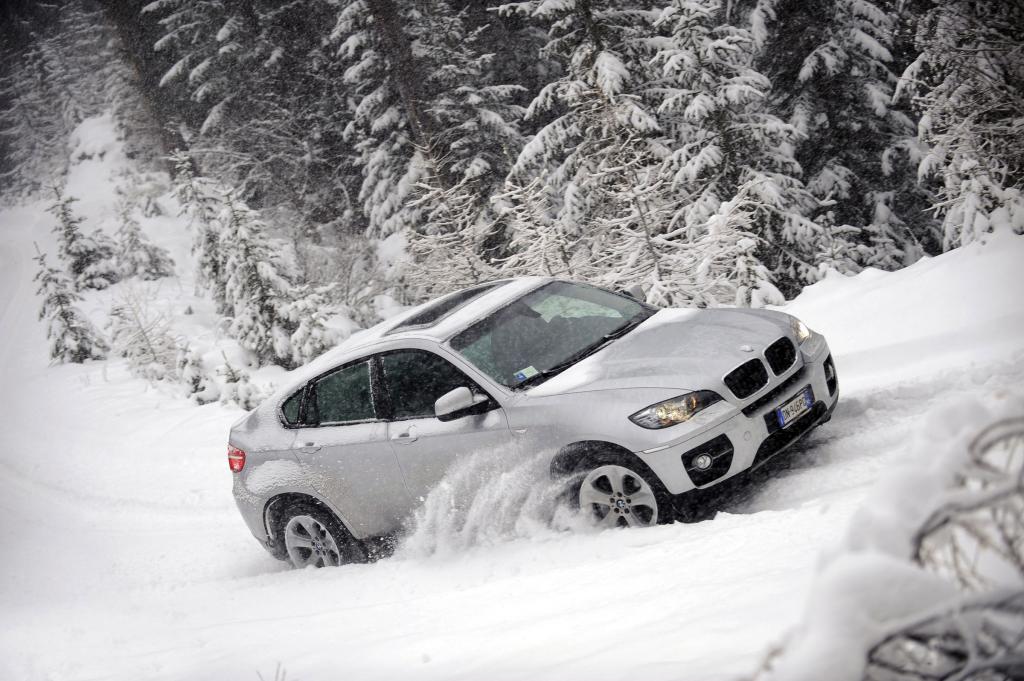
546,331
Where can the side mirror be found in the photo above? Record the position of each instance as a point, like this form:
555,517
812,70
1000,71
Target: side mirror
636,292
458,403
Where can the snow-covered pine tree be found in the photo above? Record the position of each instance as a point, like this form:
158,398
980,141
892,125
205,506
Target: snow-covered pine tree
72,336
968,81
136,256
388,124
89,258
728,144
831,68
256,290
267,104
306,312
31,130
202,201
474,138
581,196
448,252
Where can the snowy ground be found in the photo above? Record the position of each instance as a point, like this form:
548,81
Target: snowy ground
124,558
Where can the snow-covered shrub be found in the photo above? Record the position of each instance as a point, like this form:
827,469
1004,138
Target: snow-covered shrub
89,259
199,384
236,387
73,338
929,581
142,335
136,256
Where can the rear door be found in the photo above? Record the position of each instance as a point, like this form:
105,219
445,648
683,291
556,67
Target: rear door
425,446
346,453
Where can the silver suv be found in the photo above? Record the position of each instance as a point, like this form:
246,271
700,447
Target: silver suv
633,405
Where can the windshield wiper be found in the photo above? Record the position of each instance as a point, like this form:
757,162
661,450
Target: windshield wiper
633,322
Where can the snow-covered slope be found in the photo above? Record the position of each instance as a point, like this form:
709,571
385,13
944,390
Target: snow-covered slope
123,557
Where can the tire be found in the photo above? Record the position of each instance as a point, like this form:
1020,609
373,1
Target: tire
313,537
619,491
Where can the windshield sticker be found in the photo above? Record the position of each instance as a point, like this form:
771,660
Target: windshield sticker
528,372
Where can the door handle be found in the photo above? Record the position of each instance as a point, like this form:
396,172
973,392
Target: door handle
309,448
406,437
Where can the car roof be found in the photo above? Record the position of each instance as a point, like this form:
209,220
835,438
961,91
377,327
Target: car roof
364,342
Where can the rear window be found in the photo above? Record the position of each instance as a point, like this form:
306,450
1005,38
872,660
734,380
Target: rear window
434,312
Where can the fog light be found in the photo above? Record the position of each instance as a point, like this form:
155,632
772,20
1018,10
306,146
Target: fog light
702,462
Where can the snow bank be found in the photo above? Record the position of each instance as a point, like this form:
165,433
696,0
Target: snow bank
960,308
868,584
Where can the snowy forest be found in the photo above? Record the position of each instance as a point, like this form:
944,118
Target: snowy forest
334,154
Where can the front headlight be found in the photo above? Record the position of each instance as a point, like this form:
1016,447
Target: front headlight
800,330
676,410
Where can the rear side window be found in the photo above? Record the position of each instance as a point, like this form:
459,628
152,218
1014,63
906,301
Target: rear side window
344,396
416,378
290,408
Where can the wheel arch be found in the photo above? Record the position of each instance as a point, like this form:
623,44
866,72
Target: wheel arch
569,457
275,507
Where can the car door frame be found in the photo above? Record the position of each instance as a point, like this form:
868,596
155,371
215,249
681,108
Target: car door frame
499,397
358,523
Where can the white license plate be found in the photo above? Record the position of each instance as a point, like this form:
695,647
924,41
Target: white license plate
795,408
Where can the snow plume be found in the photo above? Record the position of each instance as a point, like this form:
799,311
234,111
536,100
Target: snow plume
487,498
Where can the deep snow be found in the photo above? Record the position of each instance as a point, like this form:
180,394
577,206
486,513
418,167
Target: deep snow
124,558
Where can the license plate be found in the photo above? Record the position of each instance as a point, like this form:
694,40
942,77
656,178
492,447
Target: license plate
795,408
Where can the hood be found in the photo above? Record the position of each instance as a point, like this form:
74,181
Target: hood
677,349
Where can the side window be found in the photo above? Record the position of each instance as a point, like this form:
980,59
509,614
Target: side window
290,408
416,378
344,396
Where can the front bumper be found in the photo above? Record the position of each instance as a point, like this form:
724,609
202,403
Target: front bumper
751,435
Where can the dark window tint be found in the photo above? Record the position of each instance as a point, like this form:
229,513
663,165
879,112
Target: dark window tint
416,378
345,395
449,303
290,408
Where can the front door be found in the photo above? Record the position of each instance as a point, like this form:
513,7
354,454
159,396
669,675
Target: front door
427,447
346,453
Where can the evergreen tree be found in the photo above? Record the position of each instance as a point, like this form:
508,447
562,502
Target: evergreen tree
730,145
306,313
268,103
968,79
202,201
72,336
135,255
831,67
88,258
582,194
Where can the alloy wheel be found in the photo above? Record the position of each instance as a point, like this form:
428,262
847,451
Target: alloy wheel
309,543
618,497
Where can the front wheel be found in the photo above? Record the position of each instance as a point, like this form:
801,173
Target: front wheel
314,538
616,495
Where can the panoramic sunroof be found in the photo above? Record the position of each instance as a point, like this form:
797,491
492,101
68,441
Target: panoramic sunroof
433,313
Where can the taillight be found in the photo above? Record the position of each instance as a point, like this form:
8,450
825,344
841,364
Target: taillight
236,459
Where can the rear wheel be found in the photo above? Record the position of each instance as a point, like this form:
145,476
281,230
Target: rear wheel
619,493
313,537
